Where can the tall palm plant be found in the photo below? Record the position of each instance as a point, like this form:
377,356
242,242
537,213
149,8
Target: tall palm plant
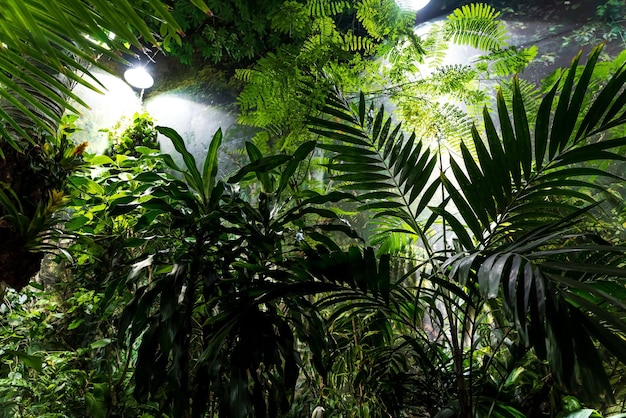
47,47
512,237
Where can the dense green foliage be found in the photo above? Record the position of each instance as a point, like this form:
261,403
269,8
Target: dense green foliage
435,99
486,281
239,297
46,50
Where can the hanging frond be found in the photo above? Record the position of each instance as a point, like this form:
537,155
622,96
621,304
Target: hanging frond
455,126
476,25
292,18
324,8
444,124
454,79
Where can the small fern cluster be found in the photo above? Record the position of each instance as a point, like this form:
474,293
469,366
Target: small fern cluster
326,40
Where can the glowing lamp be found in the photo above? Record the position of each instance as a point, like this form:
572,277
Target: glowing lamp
412,5
139,78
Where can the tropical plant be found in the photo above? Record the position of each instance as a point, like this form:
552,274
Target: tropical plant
58,357
220,297
60,354
508,260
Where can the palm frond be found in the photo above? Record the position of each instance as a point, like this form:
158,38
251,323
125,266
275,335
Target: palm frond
550,278
392,175
529,92
522,198
516,177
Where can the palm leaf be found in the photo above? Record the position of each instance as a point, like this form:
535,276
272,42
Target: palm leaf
509,182
377,161
521,200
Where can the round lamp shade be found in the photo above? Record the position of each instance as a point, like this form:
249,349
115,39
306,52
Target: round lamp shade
139,78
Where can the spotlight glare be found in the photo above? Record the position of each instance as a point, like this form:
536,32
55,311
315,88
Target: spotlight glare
139,78
412,5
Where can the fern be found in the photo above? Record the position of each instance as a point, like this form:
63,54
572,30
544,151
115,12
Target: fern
504,62
476,25
457,126
325,8
436,45
292,18
354,43
454,79
267,100
380,17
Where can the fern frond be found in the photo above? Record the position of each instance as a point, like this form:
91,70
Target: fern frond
504,62
245,74
379,17
476,25
445,124
325,27
454,79
292,18
353,43
436,43
457,127
325,8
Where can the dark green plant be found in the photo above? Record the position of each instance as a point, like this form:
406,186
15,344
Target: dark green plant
221,298
512,253
27,226
58,357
